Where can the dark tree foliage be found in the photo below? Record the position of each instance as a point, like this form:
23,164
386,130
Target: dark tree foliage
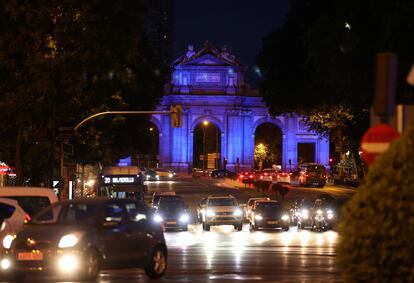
61,61
323,59
377,224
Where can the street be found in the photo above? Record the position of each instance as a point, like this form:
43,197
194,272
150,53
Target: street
225,255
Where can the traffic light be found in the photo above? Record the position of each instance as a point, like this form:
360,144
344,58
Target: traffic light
176,116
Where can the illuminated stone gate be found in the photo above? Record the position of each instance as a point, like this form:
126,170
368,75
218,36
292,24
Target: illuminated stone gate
209,84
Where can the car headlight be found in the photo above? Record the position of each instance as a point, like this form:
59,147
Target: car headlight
238,212
184,218
68,241
158,218
210,213
5,263
285,217
330,214
319,212
170,175
305,214
7,241
258,217
157,177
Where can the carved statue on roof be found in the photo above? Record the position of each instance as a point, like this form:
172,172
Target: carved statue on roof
225,54
190,53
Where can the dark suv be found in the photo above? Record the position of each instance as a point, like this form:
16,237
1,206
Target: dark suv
78,238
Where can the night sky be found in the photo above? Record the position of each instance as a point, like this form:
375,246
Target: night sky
238,24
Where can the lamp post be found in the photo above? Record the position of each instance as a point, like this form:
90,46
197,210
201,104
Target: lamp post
205,124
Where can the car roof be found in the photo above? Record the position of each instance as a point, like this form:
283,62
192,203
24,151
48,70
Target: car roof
267,201
9,201
220,196
28,191
164,194
262,198
95,200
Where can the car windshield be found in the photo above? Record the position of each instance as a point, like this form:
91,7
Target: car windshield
73,213
32,204
221,202
269,207
174,205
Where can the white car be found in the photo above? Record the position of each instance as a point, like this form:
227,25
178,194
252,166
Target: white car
222,210
165,174
31,199
13,217
283,177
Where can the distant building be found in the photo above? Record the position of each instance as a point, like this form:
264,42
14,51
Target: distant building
209,85
159,27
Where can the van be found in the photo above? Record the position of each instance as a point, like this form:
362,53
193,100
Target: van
312,174
31,199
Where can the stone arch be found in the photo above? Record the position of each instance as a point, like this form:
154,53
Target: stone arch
211,119
275,121
278,146
217,124
157,123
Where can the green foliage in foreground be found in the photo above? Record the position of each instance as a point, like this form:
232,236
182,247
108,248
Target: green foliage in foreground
377,228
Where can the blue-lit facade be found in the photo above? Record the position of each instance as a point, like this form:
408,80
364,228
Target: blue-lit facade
210,86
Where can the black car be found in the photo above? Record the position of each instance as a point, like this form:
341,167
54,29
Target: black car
222,173
76,239
268,214
172,211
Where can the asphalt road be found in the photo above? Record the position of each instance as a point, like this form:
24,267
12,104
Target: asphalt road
225,255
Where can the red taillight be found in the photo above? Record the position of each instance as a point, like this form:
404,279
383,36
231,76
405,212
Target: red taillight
26,218
251,176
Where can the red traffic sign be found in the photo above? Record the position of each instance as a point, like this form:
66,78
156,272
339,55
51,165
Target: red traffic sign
376,141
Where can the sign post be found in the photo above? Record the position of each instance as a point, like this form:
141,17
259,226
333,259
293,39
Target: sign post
376,141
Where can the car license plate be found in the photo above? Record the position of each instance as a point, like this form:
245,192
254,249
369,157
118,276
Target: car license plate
271,222
30,256
170,222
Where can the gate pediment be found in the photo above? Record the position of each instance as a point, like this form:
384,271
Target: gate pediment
207,60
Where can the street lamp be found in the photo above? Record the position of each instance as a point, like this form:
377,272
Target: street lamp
205,124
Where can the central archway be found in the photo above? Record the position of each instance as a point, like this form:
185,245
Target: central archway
207,146
268,147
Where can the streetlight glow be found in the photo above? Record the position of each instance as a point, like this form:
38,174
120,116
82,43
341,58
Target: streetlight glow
205,123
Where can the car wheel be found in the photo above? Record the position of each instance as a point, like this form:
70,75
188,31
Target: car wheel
286,228
299,226
92,266
238,227
158,263
206,227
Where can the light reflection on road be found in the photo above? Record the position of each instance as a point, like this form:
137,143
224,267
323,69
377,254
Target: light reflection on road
226,238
